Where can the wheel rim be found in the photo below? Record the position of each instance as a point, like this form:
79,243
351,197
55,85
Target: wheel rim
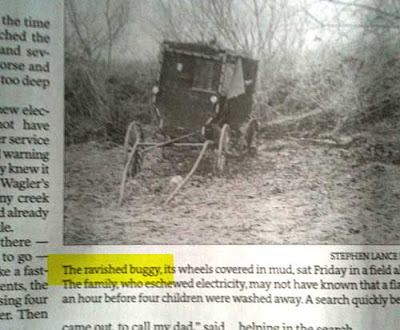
251,134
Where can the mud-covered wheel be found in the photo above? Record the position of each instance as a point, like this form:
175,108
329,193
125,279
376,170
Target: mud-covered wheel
133,134
224,148
250,136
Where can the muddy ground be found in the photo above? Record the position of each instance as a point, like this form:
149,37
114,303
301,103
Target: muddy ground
291,192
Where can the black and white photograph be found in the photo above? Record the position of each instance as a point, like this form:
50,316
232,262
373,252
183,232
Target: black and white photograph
232,122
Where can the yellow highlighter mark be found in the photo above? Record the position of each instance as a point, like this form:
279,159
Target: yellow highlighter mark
110,271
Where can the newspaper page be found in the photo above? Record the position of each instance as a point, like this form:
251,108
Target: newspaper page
199,165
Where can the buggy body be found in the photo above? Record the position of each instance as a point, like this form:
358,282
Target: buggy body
200,84
200,88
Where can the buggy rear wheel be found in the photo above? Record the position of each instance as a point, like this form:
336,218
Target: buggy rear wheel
250,136
224,148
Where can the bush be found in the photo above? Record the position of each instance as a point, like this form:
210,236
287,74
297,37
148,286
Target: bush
100,104
341,89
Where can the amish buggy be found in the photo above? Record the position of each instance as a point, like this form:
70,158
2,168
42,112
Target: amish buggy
202,98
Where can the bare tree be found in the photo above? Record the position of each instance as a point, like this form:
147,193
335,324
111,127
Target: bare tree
269,30
92,30
370,55
255,27
369,16
93,27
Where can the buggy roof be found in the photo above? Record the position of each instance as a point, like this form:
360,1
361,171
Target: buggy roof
201,49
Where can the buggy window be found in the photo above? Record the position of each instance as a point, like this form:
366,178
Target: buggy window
205,74
189,72
177,71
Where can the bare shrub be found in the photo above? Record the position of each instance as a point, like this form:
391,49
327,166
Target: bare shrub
380,81
99,105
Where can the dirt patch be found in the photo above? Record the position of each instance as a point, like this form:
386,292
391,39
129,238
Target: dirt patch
288,193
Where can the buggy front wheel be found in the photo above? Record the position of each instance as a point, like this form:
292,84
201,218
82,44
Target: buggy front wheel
134,135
